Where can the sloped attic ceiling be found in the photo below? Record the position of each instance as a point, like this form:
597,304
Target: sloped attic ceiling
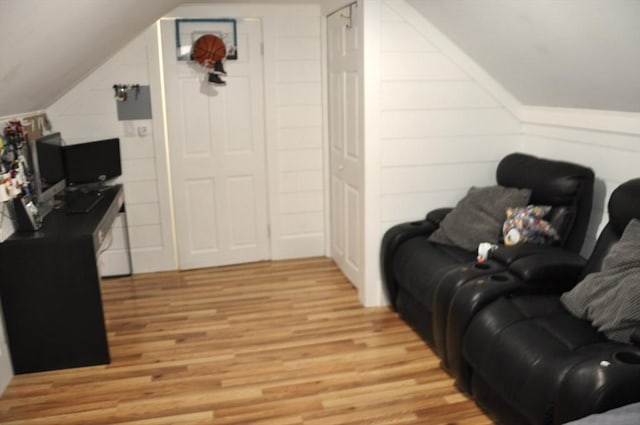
558,53
48,46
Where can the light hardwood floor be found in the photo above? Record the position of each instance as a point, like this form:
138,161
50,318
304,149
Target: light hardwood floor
280,343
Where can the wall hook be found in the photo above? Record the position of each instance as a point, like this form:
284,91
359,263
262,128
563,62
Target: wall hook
349,24
122,91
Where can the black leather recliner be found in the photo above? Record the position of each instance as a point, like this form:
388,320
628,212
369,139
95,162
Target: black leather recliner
412,266
527,359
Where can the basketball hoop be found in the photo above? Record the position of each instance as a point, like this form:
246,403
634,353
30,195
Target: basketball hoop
210,52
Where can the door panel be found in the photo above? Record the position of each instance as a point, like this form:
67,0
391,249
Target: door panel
201,205
352,114
216,144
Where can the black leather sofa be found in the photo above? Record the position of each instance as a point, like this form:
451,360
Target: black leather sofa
413,265
527,360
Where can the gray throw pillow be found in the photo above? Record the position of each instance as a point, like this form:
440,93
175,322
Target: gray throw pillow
479,216
610,298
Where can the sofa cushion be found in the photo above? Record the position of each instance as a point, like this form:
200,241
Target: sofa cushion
479,216
610,298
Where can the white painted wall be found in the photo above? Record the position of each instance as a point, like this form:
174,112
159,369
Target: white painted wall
298,228
608,142
89,112
442,129
371,293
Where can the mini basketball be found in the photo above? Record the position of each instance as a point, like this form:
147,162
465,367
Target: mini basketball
208,49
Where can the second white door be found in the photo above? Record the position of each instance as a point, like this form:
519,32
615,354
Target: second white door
345,141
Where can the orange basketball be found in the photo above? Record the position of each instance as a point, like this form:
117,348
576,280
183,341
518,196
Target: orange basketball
208,49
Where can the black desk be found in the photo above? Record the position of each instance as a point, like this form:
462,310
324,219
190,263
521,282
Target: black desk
50,289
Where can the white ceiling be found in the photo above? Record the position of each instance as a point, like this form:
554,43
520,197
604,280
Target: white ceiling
559,53
564,53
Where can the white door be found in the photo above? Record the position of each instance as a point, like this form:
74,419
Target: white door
345,139
217,155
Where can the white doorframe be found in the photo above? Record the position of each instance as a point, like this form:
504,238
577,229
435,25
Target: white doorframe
219,172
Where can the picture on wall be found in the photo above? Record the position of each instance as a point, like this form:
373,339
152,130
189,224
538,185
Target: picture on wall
189,30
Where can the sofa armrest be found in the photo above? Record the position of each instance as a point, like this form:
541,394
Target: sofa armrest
392,239
553,267
608,380
508,254
437,215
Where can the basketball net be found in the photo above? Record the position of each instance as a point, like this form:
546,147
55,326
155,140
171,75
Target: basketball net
211,67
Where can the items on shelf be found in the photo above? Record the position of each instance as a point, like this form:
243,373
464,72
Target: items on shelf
15,173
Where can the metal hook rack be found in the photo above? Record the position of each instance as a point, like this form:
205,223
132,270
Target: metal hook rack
349,24
122,91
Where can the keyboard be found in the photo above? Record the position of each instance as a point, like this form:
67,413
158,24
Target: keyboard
82,202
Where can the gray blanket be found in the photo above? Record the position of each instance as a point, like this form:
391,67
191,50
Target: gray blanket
611,297
625,415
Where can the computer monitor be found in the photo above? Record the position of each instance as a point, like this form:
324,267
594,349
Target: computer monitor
49,171
92,162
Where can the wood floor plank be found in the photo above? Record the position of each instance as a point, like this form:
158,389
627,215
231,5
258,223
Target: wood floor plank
283,343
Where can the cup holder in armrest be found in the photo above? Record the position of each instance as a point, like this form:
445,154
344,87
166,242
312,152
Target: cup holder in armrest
627,357
482,266
497,277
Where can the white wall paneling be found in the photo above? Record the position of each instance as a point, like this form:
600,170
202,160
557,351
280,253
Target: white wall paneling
88,112
444,123
609,144
298,106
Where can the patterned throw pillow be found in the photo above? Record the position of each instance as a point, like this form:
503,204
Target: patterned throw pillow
526,225
478,217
